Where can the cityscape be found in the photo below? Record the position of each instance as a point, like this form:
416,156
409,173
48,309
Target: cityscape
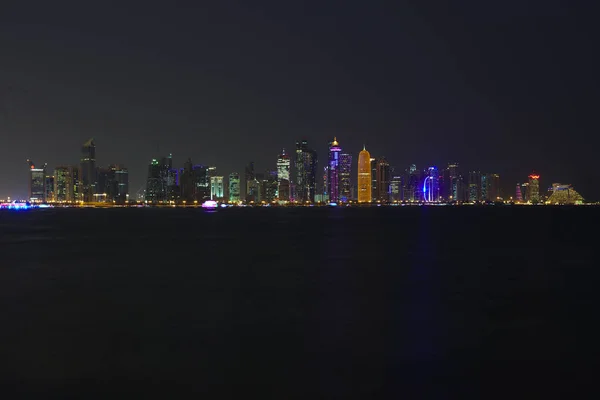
295,179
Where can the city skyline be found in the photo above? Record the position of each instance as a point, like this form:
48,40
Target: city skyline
341,181
505,91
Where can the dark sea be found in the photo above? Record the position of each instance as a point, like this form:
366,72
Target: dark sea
312,303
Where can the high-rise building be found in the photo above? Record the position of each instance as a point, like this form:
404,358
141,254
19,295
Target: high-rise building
364,176
251,183
121,177
431,187
216,188
345,177
49,188
518,193
63,184
234,187
383,179
373,162
474,186
454,182
396,187
333,172
494,181
306,172
283,176
88,171
37,183
533,194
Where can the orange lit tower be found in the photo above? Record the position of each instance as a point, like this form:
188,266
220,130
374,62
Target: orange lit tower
364,176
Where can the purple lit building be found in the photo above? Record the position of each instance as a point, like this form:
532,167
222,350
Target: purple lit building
333,179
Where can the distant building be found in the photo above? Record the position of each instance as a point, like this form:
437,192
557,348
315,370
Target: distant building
306,172
234,187
383,179
63,184
396,188
216,188
431,187
533,195
88,171
333,176
37,183
345,176
518,193
49,188
283,176
364,176
475,186
564,194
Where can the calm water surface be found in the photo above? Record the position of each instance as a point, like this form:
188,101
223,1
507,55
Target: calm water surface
300,303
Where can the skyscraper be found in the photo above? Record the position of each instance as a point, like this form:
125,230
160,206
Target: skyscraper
306,172
454,182
431,187
63,184
234,187
88,170
37,183
364,176
518,194
383,179
283,176
474,186
533,194
216,188
333,172
251,183
345,177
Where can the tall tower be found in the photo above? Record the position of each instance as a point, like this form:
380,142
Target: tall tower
344,175
283,176
234,187
364,176
37,183
518,194
333,178
431,186
216,188
383,179
88,170
306,172
534,188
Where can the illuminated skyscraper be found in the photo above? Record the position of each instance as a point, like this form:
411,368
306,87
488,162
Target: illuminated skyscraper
283,176
63,184
383,179
49,188
88,170
431,187
121,176
518,194
474,186
533,195
306,172
216,188
234,187
37,183
364,176
345,177
333,178
454,182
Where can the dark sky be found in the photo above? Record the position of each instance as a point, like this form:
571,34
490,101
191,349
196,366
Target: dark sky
505,87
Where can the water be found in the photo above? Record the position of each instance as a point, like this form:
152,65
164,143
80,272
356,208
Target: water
326,303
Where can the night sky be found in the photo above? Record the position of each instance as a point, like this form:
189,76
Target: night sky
504,87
